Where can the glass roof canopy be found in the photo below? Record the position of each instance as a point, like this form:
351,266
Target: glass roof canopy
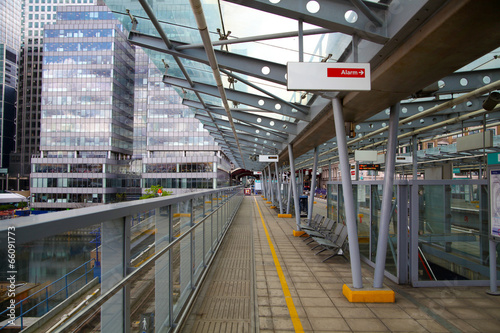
227,59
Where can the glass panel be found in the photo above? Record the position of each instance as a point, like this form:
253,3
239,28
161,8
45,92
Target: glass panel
142,235
49,270
162,271
208,228
198,252
363,219
112,264
332,202
185,251
453,232
176,278
341,205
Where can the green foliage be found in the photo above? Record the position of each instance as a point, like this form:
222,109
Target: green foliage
153,192
121,197
22,204
7,207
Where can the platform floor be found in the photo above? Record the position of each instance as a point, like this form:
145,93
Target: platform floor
250,289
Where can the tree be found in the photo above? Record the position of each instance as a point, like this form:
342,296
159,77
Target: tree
155,191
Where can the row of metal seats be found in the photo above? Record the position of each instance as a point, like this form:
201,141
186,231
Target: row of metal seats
326,234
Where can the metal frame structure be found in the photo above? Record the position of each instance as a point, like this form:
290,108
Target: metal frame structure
412,50
378,30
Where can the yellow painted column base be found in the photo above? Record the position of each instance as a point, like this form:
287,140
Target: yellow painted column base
368,295
272,207
284,215
298,233
268,202
264,198
363,240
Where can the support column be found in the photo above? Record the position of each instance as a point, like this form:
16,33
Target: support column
352,231
289,195
313,186
385,214
330,171
278,186
414,153
271,187
493,268
264,183
293,184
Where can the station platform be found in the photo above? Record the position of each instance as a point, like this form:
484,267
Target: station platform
266,280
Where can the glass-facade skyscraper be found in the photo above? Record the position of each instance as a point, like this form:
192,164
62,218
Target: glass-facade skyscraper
36,14
109,126
10,38
176,152
86,141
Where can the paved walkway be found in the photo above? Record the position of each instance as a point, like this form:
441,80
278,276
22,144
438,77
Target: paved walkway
291,290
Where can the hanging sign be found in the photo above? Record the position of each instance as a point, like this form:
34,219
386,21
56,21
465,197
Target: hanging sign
268,158
328,76
375,167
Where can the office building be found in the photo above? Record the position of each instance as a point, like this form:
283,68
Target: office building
86,141
35,16
10,33
107,132
177,153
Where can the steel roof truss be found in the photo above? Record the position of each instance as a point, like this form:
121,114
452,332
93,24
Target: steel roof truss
256,101
277,125
244,128
227,60
331,16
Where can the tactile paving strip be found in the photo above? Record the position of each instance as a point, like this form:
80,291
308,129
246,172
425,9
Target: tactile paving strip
226,302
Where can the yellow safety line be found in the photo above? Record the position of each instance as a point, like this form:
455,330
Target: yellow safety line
288,297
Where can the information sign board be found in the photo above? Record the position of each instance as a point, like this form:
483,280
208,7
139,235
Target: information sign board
327,76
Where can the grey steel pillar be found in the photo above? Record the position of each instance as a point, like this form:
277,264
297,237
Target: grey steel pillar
271,187
493,268
293,184
415,149
313,185
278,185
385,214
352,231
289,195
264,183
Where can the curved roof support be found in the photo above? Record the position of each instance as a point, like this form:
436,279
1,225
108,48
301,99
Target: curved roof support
202,27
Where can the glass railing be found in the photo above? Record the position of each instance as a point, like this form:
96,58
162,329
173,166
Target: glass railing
453,231
367,203
42,299
151,255
443,223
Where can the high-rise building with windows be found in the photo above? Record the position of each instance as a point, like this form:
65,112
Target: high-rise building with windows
176,152
10,38
86,139
109,125
36,14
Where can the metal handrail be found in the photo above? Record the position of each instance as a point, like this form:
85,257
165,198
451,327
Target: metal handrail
36,227
137,273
